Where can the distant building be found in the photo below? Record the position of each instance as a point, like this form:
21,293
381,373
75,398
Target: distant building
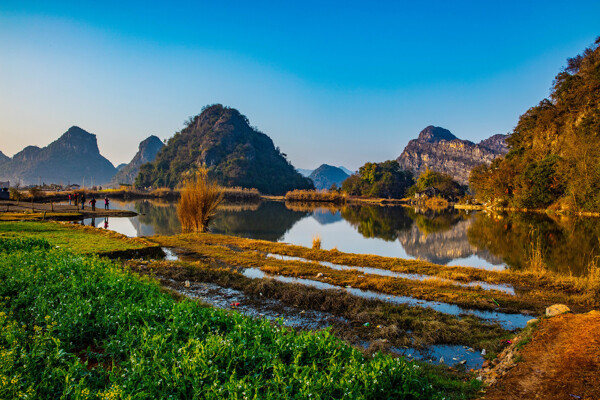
73,187
428,192
4,193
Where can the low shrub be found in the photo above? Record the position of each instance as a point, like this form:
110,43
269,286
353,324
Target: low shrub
316,196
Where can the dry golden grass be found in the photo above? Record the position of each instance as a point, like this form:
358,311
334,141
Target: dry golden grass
316,195
198,202
316,242
535,263
241,194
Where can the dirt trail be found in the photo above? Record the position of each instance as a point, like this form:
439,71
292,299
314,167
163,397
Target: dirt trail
561,362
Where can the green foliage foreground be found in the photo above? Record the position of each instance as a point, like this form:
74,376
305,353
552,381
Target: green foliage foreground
76,326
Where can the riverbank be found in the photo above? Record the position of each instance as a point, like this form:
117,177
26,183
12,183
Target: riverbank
464,286
547,211
17,211
81,239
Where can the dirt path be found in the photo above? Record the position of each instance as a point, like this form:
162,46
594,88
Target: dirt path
561,362
9,206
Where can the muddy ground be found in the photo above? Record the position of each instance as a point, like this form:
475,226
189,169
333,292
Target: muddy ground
562,361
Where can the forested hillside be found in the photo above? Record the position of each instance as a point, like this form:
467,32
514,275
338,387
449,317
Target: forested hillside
235,154
554,157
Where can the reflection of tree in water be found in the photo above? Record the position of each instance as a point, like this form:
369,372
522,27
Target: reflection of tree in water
434,221
270,221
161,216
377,222
567,246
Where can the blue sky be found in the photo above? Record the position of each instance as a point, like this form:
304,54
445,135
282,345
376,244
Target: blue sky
341,83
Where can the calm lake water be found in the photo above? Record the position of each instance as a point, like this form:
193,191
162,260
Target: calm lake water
449,237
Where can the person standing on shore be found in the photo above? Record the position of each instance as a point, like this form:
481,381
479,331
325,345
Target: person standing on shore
69,198
106,201
93,204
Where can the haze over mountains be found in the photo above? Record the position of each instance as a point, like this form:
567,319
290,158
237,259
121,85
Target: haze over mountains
439,150
72,158
147,151
326,175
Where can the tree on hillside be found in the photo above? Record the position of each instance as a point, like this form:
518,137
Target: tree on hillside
443,184
384,180
554,155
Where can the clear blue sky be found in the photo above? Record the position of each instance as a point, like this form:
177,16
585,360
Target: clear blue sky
330,82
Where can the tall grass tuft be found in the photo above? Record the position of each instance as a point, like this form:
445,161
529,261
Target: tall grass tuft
198,202
316,242
536,256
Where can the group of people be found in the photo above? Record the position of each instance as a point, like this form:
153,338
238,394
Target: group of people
80,199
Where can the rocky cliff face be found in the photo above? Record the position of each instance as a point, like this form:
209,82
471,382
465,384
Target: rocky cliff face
147,152
439,150
71,158
326,175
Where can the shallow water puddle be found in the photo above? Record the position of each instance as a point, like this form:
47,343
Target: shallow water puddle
444,354
226,298
170,255
507,321
383,272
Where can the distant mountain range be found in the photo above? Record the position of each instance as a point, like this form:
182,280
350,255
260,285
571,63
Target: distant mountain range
327,175
235,154
72,158
304,172
307,172
3,158
439,150
147,151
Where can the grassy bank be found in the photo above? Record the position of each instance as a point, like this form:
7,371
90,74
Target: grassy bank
538,288
80,327
78,239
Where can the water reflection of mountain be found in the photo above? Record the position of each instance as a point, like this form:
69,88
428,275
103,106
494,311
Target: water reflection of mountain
325,216
568,246
443,246
270,221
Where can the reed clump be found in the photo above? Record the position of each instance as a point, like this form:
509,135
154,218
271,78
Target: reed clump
536,262
237,193
316,242
198,203
329,196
